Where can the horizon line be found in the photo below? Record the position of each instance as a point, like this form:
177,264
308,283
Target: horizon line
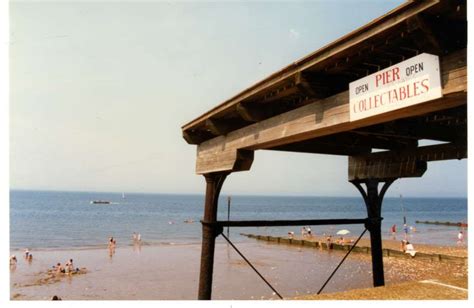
225,195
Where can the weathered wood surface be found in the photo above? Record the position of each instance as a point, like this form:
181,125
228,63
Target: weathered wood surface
401,164
321,118
353,39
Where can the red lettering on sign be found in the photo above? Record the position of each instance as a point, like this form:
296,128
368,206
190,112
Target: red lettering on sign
425,83
387,77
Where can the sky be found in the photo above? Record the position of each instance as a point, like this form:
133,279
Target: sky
99,92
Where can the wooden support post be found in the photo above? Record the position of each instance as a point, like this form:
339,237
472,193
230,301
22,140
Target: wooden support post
373,201
214,183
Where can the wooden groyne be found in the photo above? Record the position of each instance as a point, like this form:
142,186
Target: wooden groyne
444,223
360,249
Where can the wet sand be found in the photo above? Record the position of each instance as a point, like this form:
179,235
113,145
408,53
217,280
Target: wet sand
172,272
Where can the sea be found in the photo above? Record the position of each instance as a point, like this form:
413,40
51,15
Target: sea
64,220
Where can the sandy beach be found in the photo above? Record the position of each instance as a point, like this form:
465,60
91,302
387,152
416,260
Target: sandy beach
171,272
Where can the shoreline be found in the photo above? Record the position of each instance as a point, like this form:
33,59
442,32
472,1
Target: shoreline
170,272
459,251
105,246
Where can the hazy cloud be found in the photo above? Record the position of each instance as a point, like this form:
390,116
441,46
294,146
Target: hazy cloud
294,34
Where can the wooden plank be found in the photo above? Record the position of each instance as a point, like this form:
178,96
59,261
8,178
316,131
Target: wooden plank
351,40
248,113
363,169
351,143
401,164
218,127
227,160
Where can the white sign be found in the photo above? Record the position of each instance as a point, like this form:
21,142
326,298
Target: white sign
407,83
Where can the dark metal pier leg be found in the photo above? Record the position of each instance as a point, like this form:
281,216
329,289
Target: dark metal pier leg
373,201
214,183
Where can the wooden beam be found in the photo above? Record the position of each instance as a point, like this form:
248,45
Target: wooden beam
279,94
227,160
322,118
348,144
416,131
194,137
400,164
304,86
250,114
419,22
384,142
324,147
218,127
364,169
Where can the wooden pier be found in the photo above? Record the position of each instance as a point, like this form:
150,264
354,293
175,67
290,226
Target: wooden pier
356,97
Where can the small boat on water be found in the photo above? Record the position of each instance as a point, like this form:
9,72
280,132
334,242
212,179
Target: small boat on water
100,202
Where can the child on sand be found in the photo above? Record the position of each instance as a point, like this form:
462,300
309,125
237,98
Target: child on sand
59,269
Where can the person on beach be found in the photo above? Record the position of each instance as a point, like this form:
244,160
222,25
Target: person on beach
393,230
27,253
30,258
13,262
308,230
410,249
134,237
403,246
59,269
69,267
291,234
405,229
329,241
303,232
111,247
460,237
